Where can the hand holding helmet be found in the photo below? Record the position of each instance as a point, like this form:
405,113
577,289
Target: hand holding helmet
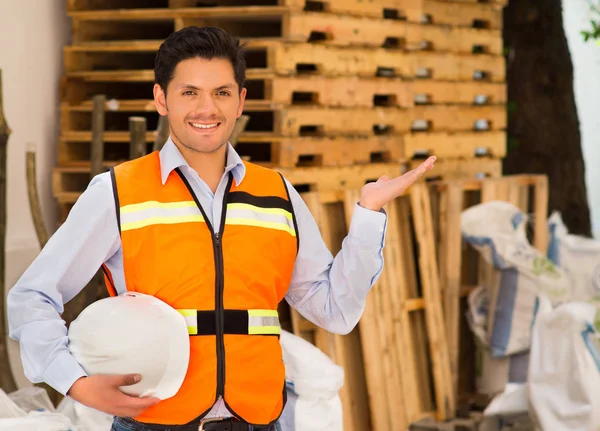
135,349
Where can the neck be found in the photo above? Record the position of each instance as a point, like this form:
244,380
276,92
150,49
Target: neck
209,166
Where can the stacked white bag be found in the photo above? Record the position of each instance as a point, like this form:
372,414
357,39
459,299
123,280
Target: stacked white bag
497,230
564,370
578,256
313,383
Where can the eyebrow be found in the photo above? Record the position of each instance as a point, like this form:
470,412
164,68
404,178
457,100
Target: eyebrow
193,87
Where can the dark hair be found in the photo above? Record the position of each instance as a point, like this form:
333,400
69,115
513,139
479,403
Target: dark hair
204,42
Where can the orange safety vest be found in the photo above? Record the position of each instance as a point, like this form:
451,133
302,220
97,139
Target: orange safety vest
227,285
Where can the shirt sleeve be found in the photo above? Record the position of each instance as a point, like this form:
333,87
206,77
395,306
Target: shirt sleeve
331,292
62,269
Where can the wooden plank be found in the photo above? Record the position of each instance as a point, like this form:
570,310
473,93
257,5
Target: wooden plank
449,169
444,394
320,151
456,145
450,272
540,214
398,266
440,92
384,397
479,15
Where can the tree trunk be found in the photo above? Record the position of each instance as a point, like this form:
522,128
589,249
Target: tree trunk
543,126
7,380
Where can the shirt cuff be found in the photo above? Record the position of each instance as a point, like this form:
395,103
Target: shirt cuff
62,372
368,226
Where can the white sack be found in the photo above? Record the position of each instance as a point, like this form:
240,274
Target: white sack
32,398
564,371
492,375
497,230
14,418
313,382
578,256
86,418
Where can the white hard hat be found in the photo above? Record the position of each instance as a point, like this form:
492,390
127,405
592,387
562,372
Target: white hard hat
133,333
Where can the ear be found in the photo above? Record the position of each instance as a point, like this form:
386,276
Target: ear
160,100
242,100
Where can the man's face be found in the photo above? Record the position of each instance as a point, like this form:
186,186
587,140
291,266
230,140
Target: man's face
202,103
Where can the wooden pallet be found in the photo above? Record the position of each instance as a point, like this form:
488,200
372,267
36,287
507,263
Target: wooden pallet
270,91
273,150
69,182
132,61
392,9
321,121
344,91
400,335
259,22
412,10
460,267
456,145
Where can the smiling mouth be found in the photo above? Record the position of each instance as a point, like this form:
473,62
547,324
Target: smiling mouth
205,126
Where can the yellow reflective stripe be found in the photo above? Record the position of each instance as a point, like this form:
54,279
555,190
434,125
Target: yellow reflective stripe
263,313
161,220
260,223
188,312
191,320
264,330
260,321
279,211
155,204
243,214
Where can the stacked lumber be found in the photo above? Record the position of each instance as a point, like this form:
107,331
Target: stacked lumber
336,88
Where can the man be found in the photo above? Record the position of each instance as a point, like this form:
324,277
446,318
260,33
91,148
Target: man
202,230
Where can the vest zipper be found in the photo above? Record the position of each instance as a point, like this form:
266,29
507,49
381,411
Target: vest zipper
219,282
220,315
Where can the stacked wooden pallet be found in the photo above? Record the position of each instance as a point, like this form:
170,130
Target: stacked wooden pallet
360,88
412,357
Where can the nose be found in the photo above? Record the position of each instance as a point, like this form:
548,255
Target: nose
206,106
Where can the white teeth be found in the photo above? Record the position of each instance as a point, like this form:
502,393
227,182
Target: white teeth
204,126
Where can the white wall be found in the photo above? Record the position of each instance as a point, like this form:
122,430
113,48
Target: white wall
32,34
586,64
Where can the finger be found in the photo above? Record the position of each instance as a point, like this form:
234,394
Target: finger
383,179
416,173
426,165
125,380
133,402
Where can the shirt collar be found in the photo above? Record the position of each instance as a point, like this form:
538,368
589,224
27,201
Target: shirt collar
171,158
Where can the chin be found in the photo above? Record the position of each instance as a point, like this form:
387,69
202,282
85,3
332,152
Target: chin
206,146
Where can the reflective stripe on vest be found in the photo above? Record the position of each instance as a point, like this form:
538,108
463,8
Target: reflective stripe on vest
240,322
137,216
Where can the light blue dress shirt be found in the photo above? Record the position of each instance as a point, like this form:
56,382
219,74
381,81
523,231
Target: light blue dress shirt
330,292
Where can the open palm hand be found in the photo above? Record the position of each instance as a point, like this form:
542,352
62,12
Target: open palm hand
375,196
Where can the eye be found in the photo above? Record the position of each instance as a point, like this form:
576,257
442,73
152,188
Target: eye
188,93
223,93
